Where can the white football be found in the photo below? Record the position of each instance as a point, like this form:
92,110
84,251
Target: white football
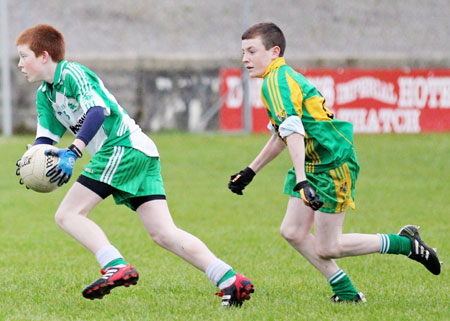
34,166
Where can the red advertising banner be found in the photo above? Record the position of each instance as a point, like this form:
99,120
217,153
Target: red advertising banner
374,100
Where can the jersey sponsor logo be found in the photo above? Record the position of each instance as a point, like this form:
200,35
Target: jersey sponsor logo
76,128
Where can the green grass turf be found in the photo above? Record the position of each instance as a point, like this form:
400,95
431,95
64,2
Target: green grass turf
404,179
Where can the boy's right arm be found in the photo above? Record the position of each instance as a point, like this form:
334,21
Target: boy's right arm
271,150
240,180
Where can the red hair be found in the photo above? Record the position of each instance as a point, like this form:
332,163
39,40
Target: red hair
42,38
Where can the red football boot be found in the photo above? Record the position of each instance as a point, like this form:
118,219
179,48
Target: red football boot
112,277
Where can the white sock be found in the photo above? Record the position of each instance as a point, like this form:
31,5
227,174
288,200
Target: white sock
216,270
107,254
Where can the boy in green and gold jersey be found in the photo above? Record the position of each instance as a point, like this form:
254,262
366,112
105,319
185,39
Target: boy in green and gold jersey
321,183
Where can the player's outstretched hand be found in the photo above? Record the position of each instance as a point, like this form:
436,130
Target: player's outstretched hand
19,165
239,180
63,170
309,195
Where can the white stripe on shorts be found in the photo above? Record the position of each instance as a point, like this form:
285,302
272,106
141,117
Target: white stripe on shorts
112,165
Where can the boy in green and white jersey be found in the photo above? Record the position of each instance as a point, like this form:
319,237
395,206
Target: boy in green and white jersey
63,105
321,182
125,164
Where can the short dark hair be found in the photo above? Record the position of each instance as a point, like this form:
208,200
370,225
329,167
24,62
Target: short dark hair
271,35
42,38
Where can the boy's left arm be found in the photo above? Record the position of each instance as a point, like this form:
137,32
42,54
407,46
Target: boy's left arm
63,170
296,146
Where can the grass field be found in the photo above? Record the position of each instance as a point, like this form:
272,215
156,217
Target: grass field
404,179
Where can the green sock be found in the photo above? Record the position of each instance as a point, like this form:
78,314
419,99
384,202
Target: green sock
395,244
227,275
342,286
115,262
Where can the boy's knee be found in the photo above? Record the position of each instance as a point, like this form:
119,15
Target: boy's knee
162,237
158,239
60,218
63,215
291,234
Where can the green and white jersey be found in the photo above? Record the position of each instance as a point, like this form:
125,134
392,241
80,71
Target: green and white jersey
62,107
288,95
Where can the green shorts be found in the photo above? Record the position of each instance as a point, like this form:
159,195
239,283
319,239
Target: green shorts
128,170
336,187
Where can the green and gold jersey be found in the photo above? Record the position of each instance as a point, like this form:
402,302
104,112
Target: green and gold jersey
62,106
285,93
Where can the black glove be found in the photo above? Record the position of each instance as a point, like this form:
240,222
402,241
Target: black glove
308,195
238,181
67,157
19,164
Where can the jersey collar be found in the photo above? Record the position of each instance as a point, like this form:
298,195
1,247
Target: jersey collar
275,64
